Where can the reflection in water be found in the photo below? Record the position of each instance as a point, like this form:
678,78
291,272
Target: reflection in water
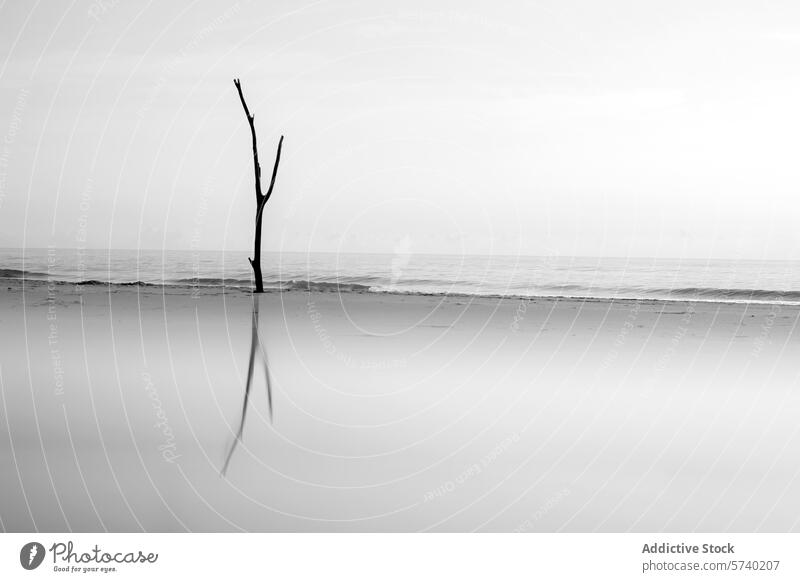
255,346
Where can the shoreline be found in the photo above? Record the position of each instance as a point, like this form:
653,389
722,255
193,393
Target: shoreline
346,289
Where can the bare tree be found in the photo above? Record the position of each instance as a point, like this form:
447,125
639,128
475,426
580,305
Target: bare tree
256,345
261,198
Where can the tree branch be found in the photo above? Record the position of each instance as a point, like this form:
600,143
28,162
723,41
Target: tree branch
274,169
271,182
251,121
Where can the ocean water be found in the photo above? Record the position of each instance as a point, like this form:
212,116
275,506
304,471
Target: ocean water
405,272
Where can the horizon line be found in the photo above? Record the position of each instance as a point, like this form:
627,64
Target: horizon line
520,255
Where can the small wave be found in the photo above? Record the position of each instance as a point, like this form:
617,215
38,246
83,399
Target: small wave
95,282
43,278
211,282
579,292
323,286
343,285
729,294
684,293
20,274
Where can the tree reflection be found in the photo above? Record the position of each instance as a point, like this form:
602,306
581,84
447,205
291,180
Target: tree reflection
256,347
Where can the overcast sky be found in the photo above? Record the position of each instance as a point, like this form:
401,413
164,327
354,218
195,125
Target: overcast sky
577,128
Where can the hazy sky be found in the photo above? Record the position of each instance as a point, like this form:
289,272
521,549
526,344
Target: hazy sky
587,128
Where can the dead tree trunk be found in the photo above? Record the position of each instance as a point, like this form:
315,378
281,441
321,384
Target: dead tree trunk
261,198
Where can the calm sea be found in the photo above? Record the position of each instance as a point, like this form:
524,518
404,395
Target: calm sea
524,276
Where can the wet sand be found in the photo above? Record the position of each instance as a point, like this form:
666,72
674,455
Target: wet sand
394,413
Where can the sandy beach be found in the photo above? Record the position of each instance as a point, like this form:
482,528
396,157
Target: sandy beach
394,413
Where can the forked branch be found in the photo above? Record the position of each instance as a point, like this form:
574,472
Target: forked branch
261,198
